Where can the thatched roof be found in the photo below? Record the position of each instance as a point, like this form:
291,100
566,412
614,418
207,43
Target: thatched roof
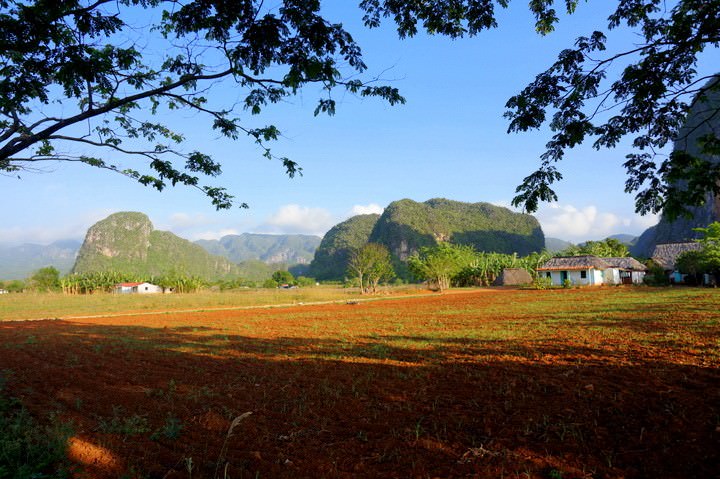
513,277
666,254
566,263
627,263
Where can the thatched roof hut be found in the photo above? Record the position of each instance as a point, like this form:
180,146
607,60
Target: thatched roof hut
625,263
571,263
666,254
513,277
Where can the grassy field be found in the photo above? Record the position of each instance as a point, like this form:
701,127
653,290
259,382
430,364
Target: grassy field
601,383
57,305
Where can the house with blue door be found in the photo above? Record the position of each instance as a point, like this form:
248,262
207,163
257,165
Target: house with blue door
589,270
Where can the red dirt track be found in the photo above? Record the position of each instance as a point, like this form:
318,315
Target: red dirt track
536,384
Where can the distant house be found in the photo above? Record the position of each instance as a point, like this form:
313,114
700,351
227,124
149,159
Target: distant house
589,270
513,277
666,255
138,288
579,270
3,291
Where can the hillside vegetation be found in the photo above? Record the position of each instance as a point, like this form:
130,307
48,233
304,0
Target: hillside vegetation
127,242
406,226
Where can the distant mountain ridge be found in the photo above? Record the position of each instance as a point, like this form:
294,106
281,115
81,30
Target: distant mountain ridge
127,242
555,245
268,248
18,262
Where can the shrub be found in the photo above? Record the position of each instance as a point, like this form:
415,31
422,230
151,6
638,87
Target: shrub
542,282
656,276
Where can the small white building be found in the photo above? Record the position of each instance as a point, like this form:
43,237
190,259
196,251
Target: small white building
590,270
138,288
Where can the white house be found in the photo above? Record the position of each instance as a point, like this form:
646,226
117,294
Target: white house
139,288
579,270
590,270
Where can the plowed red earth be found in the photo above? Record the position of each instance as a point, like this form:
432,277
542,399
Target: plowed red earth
537,384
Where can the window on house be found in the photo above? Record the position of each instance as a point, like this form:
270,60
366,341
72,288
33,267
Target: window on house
583,274
548,275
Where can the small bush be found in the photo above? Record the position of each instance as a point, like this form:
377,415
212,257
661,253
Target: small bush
567,284
656,276
542,282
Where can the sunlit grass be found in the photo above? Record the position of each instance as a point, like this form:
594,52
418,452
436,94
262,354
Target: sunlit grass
57,305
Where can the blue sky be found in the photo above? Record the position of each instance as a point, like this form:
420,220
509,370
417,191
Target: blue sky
449,140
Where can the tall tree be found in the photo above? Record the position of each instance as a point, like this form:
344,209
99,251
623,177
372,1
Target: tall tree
711,248
45,279
439,264
370,265
607,248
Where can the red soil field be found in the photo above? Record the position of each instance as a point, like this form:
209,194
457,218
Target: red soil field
607,383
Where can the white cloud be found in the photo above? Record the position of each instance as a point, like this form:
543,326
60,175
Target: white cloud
372,208
45,235
588,223
646,221
185,220
299,219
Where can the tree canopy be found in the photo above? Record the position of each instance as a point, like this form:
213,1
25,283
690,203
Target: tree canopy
439,264
705,260
370,265
89,76
79,83
607,248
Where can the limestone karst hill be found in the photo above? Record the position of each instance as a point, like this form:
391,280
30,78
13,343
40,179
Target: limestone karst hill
127,242
407,225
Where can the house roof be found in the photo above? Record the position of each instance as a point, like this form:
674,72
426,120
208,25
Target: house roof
129,285
574,263
626,263
666,254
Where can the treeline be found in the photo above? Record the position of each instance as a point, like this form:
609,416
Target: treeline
446,264
48,279
107,281
440,266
